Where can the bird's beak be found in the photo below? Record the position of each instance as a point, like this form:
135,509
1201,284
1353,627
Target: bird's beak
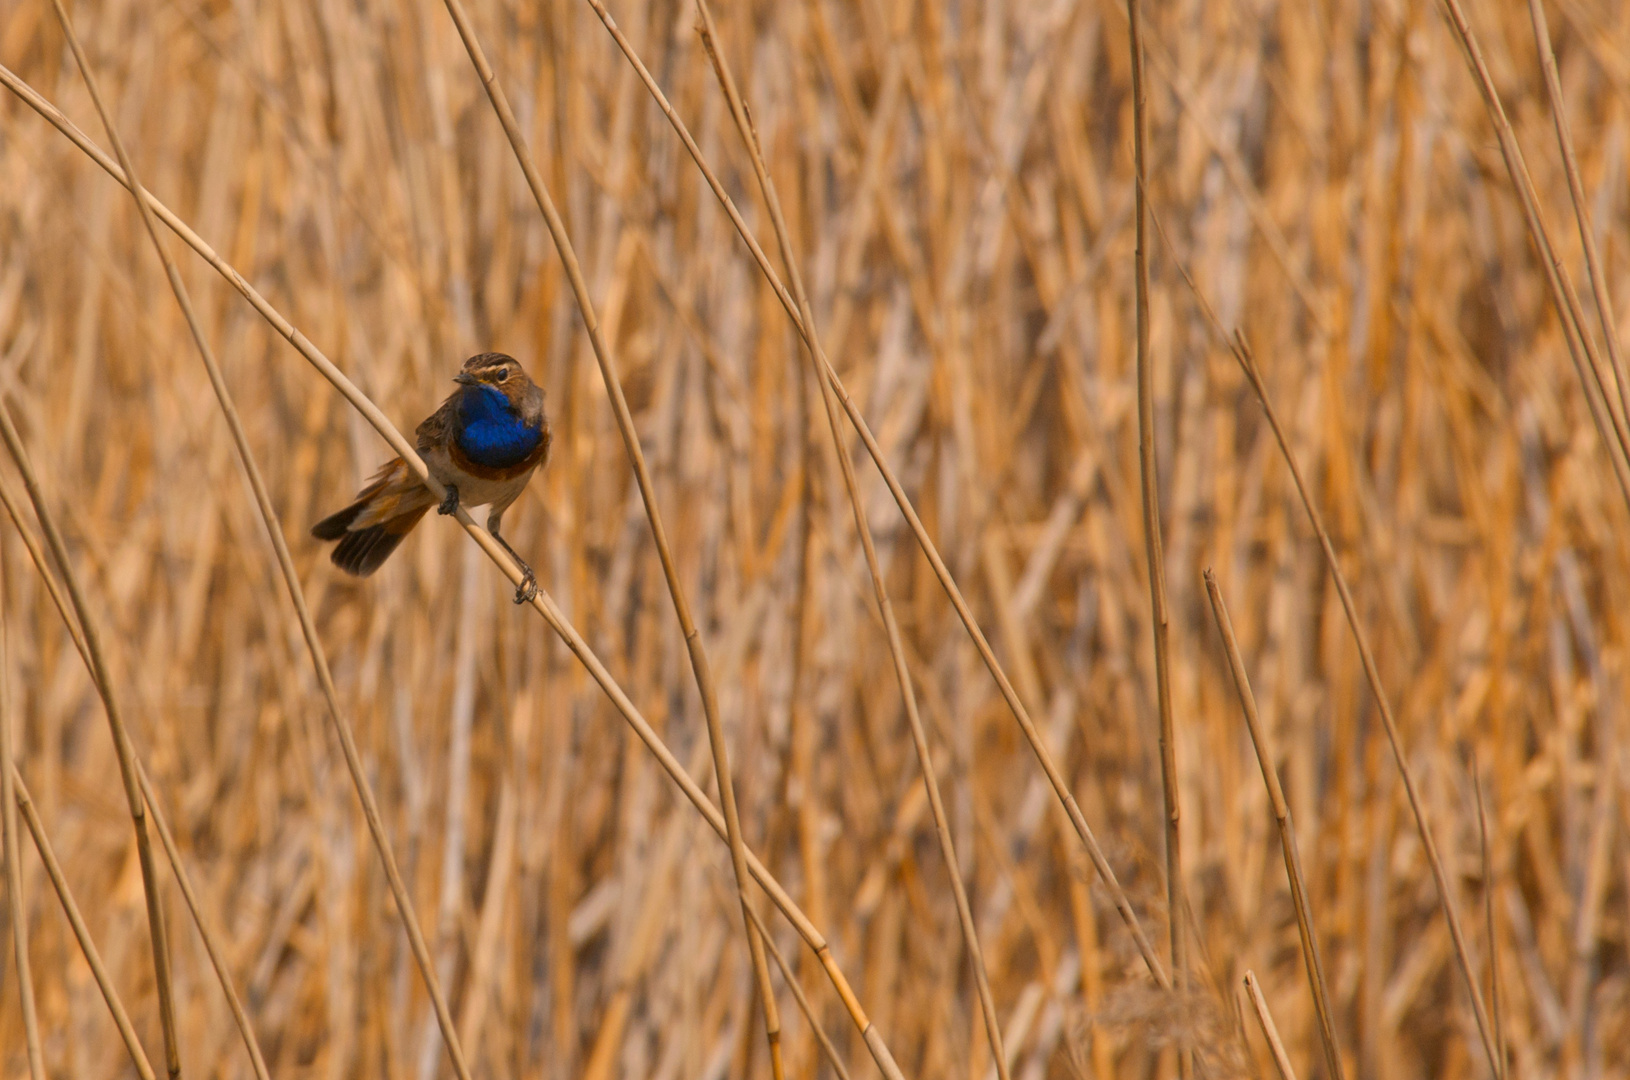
464,378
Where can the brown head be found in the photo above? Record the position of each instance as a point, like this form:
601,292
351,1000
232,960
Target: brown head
504,372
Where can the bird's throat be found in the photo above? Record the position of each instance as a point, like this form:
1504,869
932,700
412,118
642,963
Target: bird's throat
491,432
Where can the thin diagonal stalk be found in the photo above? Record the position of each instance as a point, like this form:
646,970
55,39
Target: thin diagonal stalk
543,602
1149,482
902,674
63,604
1576,191
159,936
1372,673
240,1016
14,872
1488,921
829,377
121,741
240,441
670,572
1270,1032
1287,831
1242,355
791,980
93,959
1613,429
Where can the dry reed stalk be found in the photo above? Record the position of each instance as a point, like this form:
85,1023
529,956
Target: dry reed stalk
1270,1032
1239,177
1495,1003
291,581
543,602
925,760
631,443
1242,354
1149,485
16,899
1616,430
829,377
810,1018
87,947
240,1016
1268,760
158,939
1602,295
1440,877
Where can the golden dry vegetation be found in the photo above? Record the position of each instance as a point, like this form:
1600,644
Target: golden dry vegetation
958,183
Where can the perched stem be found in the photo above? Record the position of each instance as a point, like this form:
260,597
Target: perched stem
642,475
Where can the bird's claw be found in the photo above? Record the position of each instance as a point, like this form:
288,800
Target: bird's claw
449,501
528,590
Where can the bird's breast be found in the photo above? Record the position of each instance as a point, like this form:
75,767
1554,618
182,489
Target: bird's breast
477,485
499,442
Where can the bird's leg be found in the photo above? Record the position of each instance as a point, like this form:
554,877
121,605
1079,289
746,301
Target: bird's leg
449,501
528,589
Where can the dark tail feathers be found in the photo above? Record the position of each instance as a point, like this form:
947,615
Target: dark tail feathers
362,551
334,525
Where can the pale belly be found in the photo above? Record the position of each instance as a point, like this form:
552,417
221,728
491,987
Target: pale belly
473,490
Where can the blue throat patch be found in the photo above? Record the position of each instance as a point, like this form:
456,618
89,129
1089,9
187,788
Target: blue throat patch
490,432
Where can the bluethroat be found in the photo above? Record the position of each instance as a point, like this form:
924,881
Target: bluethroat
482,444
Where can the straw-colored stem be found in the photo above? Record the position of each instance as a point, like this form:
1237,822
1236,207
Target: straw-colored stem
1259,1009
121,741
798,995
543,603
263,504
1372,673
1581,345
829,377
1496,1005
1287,831
1242,355
1576,191
1149,483
891,626
700,667
82,934
239,1015
15,896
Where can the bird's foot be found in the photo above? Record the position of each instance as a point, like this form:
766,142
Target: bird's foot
449,501
528,590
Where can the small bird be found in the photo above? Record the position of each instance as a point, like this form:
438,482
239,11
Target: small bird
482,444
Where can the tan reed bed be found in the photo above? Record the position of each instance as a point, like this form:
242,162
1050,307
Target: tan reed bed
956,186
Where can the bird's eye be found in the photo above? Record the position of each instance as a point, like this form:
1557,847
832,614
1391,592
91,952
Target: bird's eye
501,374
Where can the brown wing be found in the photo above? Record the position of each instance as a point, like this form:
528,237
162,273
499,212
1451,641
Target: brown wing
437,428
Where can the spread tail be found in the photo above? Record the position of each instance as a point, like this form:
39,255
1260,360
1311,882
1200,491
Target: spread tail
378,521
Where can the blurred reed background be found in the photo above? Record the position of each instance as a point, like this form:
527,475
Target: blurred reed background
958,179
